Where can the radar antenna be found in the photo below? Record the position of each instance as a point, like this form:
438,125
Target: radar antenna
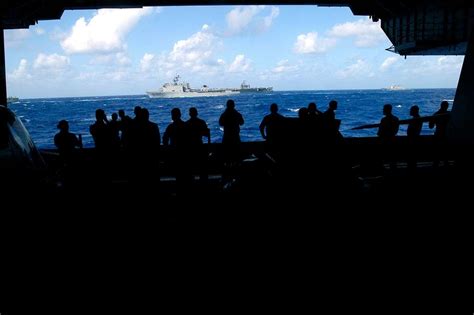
176,79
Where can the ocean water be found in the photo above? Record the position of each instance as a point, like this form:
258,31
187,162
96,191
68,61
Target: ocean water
355,108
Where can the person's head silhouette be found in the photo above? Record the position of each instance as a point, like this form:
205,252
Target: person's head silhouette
387,109
193,112
230,104
274,108
175,114
414,110
63,126
444,105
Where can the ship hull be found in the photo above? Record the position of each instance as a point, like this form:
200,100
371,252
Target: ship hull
256,90
189,94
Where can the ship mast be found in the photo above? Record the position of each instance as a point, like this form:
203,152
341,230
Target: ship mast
176,79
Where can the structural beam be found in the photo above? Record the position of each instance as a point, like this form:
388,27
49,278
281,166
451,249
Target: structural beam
461,129
3,80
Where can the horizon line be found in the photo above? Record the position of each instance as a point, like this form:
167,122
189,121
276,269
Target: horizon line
303,90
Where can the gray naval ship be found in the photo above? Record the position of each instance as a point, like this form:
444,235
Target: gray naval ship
183,89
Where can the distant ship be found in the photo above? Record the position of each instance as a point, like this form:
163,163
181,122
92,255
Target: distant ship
183,89
12,99
394,88
245,88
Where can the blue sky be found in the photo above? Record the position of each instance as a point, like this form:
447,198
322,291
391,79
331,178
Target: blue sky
130,51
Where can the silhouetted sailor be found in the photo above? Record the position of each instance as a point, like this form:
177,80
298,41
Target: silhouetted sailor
330,114
114,127
389,125
175,133
196,130
100,131
231,120
315,123
271,128
440,121
331,124
66,142
313,111
148,131
145,149
175,137
136,111
125,123
414,127
388,129
413,135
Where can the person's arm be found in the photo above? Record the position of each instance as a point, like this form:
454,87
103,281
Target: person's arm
166,137
78,141
208,135
432,122
396,127
56,140
381,127
222,120
262,128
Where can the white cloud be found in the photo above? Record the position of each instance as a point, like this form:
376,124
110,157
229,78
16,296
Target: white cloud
366,32
195,53
104,76
433,66
246,18
268,20
192,57
117,75
15,37
122,59
101,60
39,31
284,70
45,67
388,63
105,32
359,69
57,34
284,66
118,59
146,62
311,43
240,17
21,72
450,62
87,76
53,61
240,64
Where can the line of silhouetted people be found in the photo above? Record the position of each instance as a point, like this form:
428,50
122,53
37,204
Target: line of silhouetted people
389,127
309,144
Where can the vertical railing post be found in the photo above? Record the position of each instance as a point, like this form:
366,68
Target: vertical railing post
3,80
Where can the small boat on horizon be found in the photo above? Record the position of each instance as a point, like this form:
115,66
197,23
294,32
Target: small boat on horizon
394,87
